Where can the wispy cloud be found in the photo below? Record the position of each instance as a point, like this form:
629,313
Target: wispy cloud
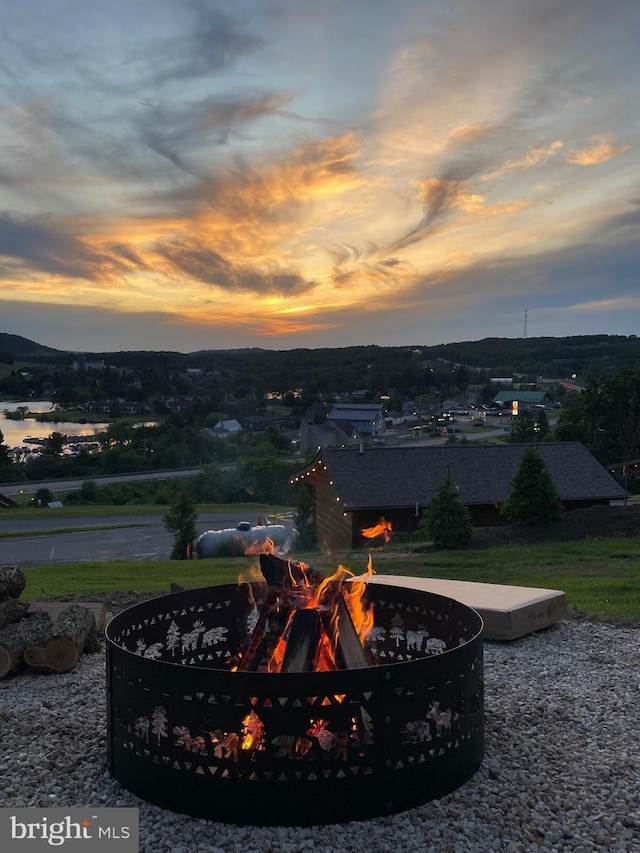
600,148
231,166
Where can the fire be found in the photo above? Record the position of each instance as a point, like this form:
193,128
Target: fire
267,546
382,528
308,622
354,593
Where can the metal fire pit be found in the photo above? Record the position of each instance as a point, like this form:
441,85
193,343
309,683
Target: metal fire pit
188,734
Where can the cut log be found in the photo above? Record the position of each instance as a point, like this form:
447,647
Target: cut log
34,629
285,574
12,610
77,623
302,644
58,655
249,648
12,581
350,653
54,608
74,632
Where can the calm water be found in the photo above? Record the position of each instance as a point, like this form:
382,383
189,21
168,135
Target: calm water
15,432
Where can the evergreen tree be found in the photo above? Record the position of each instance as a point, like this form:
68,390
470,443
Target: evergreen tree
541,426
533,498
445,520
180,520
522,428
54,445
5,453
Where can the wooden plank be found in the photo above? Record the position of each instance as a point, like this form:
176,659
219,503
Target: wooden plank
508,612
54,608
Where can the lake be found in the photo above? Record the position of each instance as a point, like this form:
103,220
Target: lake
15,432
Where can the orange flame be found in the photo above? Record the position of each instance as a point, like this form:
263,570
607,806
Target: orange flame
352,589
361,616
382,528
266,547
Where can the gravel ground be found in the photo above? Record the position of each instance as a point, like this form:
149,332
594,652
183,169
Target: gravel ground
561,772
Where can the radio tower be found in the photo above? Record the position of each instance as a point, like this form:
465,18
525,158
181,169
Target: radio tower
525,324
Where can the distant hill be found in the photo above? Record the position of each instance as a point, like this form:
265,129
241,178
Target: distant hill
20,347
589,356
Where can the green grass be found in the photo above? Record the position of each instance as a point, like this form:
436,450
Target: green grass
150,576
600,577
109,510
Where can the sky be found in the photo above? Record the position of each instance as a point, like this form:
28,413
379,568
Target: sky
198,174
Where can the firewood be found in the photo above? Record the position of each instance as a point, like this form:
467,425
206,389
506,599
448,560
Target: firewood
263,645
58,655
285,574
35,628
12,581
78,623
74,632
12,610
302,643
350,653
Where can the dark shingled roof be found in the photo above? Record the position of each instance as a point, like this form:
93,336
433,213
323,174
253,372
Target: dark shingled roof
404,476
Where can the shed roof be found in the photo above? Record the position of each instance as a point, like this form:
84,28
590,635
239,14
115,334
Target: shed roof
355,412
406,476
531,397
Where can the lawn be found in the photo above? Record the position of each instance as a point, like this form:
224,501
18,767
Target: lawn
600,577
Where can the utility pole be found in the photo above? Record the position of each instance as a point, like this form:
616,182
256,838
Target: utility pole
525,324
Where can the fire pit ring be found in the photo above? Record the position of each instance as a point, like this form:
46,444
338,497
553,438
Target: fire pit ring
300,748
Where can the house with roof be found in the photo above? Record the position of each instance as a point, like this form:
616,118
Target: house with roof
337,433
225,428
354,488
258,423
525,399
367,418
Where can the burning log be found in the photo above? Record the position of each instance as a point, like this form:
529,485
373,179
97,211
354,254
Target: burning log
287,574
304,624
288,581
349,651
302,643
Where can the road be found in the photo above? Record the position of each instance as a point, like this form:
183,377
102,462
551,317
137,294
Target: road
13,489
129,536
145,539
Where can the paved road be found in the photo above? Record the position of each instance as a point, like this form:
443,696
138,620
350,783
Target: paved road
13,489
146,540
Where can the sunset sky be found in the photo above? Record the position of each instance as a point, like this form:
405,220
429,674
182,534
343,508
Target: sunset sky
198,174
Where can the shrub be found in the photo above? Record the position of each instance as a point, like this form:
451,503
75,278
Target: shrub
533,498
445,521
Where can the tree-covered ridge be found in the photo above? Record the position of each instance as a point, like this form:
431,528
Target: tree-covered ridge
347,368
19,347
589,356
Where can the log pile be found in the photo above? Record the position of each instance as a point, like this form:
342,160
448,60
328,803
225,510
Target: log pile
304,623
32,638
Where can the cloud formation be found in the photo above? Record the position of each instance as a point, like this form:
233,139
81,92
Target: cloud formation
319,175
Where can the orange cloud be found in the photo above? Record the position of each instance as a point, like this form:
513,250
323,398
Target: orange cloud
532,157
624,303
599,150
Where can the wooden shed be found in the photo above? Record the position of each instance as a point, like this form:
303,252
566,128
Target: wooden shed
355,488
